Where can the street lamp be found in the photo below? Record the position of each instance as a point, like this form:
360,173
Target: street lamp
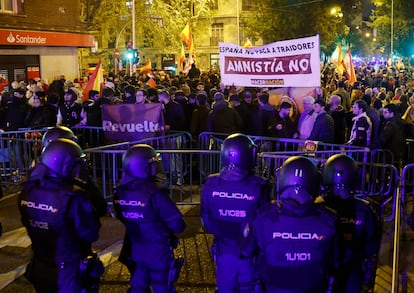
392,30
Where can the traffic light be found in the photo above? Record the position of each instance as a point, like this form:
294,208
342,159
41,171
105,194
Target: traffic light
132,55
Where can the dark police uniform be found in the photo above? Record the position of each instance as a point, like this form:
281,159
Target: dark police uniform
296,244
228,203
358,224
62,224
359,230
150,218
1,196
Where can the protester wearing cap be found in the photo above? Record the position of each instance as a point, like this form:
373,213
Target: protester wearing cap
71,113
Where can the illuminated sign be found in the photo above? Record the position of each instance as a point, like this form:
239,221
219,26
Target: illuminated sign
39,38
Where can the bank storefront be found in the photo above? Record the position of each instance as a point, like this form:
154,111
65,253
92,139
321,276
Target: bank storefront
40,54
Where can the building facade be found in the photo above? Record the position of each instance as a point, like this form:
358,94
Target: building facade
40,39
225,25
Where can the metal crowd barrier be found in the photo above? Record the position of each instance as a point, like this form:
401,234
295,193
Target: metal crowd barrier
410,150
19,151
377,181
186,169
176,164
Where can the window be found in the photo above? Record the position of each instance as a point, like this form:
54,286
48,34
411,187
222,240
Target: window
247,4
242,34
213,4
6,5
215,61
11,6
216,34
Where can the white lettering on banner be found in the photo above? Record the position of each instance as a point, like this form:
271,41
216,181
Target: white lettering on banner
269,82
287,63
134,203
232,213
235,195
298,256
132,215
231,50
39,224
146,126
290,48
297,236
284,65
38,206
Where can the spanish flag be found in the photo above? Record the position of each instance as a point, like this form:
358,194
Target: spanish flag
187,36
349,67
95,82
146,67
247,43
336,59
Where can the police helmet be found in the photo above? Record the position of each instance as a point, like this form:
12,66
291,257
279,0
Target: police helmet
138,161
239,151
299,179
340,175
63,157
58,132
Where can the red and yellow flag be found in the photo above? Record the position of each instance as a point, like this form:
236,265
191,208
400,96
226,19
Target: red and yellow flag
336,59
146,67
95,81
247,43
349,67
187,36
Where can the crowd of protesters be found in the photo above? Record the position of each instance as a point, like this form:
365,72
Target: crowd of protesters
376,111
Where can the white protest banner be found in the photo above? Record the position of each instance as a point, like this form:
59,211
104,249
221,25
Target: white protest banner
289,63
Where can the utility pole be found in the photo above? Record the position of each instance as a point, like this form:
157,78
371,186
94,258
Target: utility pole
131,71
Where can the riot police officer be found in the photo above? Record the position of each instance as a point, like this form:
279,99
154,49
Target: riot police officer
358,225
54,133
60,220
150,217
294,238
229,201
83,179
1,196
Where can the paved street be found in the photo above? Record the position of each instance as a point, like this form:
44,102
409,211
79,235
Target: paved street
198,272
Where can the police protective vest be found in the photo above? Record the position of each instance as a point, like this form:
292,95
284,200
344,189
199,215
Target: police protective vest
227,206
295,241
137,208
44,213
359,227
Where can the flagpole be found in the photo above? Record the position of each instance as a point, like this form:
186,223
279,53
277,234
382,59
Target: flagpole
238,23
133,35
